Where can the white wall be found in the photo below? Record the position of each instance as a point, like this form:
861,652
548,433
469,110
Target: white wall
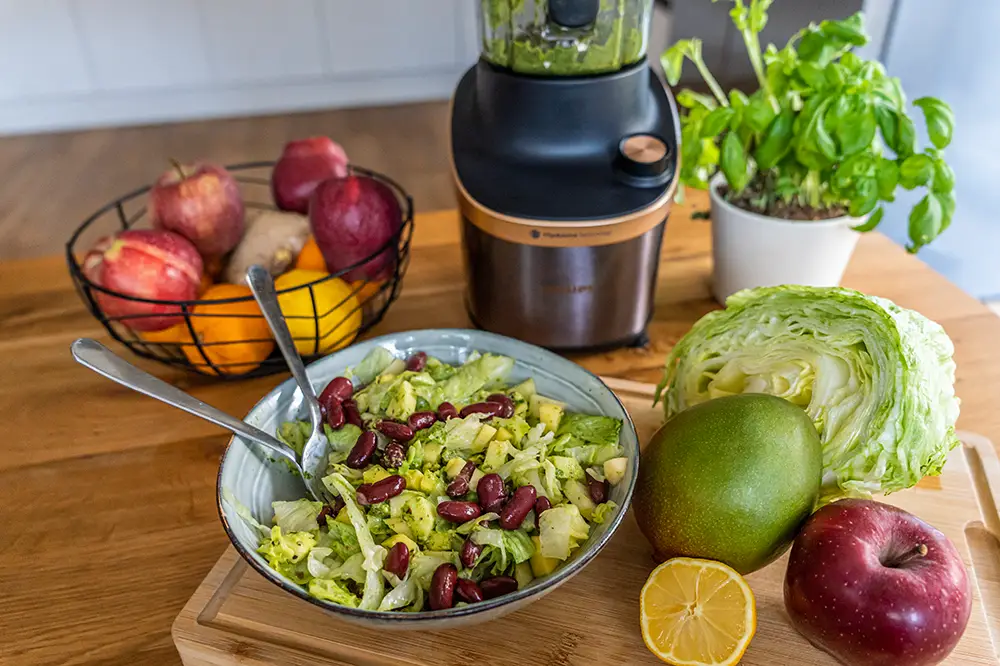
83,63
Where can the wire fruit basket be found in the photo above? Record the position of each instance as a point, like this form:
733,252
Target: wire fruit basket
330,311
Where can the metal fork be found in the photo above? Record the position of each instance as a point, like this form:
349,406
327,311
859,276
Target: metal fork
316,452
103,361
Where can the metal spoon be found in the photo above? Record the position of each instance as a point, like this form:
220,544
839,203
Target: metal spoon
103,361
316,452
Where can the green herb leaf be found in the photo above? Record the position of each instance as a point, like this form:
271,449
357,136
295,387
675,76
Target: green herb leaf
673,60
906,144
777,140
737,99
872,221
850,30
856,133
733,161
940,120
689,99
916,171
758,114
812,75
947,201
925,222
717,121
944,177
888,178
865,197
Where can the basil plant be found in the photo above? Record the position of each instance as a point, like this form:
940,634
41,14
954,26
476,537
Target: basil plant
826,132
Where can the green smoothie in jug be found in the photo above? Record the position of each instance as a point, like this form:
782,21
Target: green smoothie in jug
518,35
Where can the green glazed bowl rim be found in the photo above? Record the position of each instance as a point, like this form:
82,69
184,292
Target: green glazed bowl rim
426,619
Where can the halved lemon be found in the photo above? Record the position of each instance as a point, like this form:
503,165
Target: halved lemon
697,613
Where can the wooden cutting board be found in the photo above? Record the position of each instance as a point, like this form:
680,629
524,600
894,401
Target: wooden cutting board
237,617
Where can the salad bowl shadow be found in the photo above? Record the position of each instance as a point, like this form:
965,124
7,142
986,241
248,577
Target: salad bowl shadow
247,476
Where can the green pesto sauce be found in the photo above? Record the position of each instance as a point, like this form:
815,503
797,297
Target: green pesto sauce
615,41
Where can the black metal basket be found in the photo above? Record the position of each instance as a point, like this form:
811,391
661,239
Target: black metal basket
187,350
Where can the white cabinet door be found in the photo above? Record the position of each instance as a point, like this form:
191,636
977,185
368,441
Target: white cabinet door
263,40
40,50
144,43
394,36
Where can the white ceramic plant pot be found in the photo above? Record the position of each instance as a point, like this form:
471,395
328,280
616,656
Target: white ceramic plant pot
751,250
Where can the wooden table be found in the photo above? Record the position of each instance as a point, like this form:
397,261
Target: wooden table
107,508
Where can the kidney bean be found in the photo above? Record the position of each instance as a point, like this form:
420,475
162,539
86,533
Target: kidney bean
398,559
351,413
505,402
397,431
490,409
468,591
421,420
363,450
334,414
491,492
380,491
458,512
417,362
339,389
443,586
497,586
470,553
460,485
598,489
542,504
329,510
446,411
517,507
394,455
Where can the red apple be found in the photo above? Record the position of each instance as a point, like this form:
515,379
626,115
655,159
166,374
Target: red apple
351,219
303,165
874,585
144,263
201,202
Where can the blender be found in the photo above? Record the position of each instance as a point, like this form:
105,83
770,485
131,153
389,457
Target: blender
564,146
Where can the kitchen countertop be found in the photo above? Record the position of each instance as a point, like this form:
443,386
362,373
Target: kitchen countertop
107,498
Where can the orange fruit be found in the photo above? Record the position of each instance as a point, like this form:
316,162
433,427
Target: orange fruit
336,316
234,336
175,335
365,290
697,613
310,258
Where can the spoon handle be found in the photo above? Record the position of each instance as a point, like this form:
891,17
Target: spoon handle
103,361
262,286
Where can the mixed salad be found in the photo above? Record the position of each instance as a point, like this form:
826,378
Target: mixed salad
453,486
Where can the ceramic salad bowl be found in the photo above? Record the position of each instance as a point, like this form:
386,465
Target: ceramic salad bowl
247,475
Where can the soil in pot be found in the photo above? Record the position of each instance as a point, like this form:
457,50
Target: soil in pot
757,198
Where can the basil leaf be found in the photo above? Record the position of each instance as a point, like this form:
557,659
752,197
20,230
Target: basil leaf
944,177
850,30
947,201
812,75
758,114
925,222
733,161
872,220
940,120
716,121
906,144
673,62
777,140
887,177
865,197
916,171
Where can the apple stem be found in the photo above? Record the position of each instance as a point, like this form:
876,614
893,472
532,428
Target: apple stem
920,550
180,169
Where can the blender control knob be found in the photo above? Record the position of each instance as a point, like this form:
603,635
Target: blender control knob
643,160
643,156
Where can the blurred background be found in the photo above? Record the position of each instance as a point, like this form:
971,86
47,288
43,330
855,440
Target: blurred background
96,94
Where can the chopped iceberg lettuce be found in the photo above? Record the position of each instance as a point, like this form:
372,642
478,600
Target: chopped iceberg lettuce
298,516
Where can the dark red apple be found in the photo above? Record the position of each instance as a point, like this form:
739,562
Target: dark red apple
145,263
201,202
303,165
874,585
351,218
